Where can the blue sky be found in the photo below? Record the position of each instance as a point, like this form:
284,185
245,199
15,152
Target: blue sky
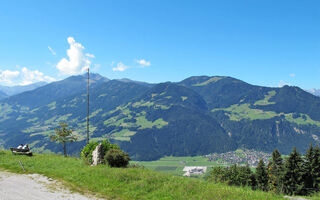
267,43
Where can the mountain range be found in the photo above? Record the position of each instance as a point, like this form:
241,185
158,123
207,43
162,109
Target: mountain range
196,116
314,91
6,91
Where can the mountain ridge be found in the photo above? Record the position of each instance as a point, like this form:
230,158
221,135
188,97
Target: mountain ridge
196,116
13,90
314,91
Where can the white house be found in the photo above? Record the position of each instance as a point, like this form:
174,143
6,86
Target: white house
194,170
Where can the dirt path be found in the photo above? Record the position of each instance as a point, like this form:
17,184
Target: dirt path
35,187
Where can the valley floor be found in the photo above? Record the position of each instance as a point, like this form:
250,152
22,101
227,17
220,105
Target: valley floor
35,187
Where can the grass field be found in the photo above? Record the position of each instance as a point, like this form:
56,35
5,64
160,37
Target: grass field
127,183
175,165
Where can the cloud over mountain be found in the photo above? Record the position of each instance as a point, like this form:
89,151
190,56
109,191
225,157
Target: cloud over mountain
120,67
23,77
77,61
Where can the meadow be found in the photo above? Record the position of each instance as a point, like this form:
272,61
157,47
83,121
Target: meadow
124,183
175,165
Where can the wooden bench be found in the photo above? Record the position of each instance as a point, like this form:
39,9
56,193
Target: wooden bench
21,151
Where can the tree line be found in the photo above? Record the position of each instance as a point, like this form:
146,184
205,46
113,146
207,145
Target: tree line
293,175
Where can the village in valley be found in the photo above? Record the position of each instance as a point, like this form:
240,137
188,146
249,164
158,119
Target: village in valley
200,165
240,157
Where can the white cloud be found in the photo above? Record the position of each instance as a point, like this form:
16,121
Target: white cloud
90,55
52,51
120,67
143,63
23,77
283,83
29,76
292,75
77,61
7,77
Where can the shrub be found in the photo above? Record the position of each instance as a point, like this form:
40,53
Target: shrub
135,165
86,152
117,158
233,175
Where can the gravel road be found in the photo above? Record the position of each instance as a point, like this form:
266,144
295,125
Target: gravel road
34,187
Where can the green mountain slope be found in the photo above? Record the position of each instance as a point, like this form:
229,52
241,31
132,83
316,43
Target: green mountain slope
196,116
167,120
260,117
21,124
53,91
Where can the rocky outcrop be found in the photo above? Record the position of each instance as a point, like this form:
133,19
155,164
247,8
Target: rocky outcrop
97,155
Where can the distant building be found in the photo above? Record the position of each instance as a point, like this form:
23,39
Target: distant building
194,170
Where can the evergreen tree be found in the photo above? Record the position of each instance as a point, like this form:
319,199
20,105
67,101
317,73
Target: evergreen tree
275,168
316,168
261,176
308,173
245,177
292,177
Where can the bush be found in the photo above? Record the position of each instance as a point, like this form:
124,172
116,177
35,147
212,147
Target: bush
233,175
86,152
135,165
117,158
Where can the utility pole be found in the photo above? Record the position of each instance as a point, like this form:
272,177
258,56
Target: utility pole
88,107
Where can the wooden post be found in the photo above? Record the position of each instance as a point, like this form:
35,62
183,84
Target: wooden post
22,166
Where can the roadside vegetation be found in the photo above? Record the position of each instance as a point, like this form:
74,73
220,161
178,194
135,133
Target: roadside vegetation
125,183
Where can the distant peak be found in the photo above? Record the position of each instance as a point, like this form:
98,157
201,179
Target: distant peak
95,76
201,80
126,80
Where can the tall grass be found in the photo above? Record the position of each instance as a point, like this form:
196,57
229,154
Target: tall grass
127,183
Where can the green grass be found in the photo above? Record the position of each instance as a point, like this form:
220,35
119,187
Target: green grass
174,165
52,105
243,111
213,79
237,112
184,98
127,183
123,135
266,99
33,119
141,122
301,121
63,117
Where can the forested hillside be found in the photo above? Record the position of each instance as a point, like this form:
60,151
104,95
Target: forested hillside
196,116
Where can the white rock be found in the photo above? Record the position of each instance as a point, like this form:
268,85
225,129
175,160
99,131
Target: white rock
97,157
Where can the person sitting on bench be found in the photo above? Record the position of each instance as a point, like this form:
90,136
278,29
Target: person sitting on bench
20,146
25,147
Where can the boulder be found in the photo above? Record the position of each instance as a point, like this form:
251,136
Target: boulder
97,157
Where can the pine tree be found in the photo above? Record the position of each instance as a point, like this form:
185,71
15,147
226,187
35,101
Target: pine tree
316,168
292,176
308,173
262,176
275,172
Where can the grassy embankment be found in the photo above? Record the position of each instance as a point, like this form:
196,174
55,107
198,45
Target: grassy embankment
129,183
